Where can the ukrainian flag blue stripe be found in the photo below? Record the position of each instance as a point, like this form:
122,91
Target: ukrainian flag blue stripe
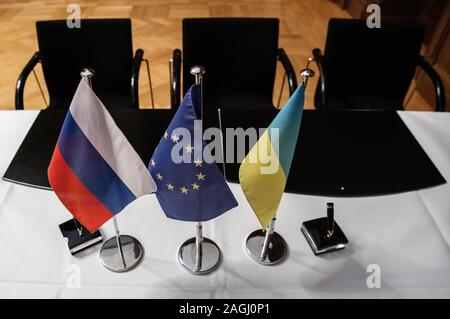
288,124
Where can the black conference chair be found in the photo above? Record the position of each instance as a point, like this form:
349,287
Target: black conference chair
365,68
239,56
104,45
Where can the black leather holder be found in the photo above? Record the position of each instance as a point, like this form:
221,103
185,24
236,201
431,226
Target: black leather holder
77,237
317,234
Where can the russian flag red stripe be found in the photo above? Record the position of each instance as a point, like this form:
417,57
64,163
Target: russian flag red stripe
84,206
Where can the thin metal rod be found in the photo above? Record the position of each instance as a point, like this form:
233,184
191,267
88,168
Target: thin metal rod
199,81
116,227
308,62
119,244
306,73
40,88
281,90
330,220
267,239
88,74
88,78
201,98
198,247
80,229
198,72
150,82
221,144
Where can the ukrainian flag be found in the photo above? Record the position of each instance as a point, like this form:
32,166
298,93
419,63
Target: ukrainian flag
262,185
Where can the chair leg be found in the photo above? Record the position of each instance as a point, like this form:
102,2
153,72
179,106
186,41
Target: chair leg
40,88
281,90
147,63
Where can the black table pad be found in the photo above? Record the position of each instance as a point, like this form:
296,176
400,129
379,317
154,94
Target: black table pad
339,153
348,153
143,128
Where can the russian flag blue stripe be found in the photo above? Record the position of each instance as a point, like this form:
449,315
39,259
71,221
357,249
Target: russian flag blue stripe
91,169
86,208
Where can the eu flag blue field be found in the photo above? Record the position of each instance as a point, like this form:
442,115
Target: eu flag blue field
194,191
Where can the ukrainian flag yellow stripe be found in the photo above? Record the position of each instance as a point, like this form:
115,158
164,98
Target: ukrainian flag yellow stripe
264,196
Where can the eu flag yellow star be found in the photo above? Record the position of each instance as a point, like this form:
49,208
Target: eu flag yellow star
184,190
175,138
198,162
200,176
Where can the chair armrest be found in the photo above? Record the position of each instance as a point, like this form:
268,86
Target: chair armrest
175,79
20,84
287,65
135,68
318,57
437,82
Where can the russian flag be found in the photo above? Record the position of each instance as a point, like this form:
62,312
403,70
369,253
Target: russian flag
95,171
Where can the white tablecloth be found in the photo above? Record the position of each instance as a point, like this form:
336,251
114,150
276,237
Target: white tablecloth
407,235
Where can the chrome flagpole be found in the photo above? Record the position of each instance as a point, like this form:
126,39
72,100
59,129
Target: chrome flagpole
198,247
199,255
198,72
269,232
121,252
306,73
119,244
267,247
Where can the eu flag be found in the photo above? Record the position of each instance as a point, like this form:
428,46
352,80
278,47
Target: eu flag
191,190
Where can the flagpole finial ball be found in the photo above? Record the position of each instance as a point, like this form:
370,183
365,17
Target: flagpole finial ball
307,73
198,70
87,73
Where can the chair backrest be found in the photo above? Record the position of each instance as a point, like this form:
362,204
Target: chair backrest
104,45
239,56
370,68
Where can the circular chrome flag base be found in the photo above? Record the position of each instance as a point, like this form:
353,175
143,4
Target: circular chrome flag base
210,256
276,251
123,259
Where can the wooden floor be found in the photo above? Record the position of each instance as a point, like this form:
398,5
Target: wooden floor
157,30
